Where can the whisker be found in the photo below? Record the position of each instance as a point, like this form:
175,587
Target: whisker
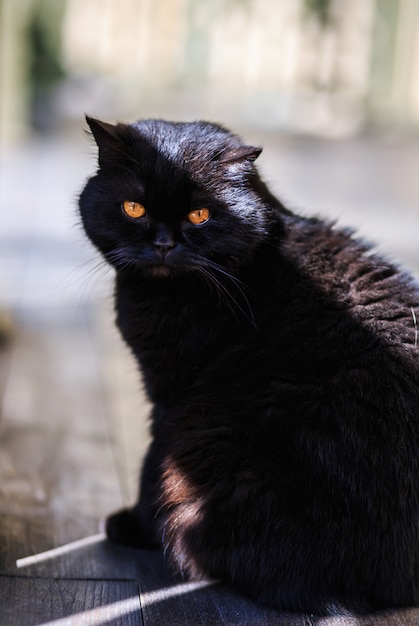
91,278
239,286
203,265
223,293
120,258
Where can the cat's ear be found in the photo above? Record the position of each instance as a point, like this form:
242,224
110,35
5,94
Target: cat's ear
108,138
238,154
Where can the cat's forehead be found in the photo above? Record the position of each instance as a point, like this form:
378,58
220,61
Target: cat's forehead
185,142
200,150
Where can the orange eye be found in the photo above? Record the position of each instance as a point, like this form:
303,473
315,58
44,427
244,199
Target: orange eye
135,210
200,216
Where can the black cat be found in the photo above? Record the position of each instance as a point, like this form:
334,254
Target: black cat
281,356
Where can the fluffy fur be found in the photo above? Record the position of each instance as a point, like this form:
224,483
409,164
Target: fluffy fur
281,358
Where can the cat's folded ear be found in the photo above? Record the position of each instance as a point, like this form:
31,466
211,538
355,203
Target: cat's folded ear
108,138
237,154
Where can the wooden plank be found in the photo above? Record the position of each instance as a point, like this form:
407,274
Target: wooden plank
186,603
170,599
163,595
32,601
90,557
408,617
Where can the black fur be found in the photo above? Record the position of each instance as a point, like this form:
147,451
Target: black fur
281,358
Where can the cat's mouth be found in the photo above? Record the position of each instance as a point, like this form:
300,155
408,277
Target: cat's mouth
160,270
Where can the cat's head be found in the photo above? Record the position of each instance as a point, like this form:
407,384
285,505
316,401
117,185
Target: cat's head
173,197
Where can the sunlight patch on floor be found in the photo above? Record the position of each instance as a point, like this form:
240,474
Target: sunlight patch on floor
65,549
100,615
159,595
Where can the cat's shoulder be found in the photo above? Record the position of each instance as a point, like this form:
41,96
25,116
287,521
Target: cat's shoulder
338,260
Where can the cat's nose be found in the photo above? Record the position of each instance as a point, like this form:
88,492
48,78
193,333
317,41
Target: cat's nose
164,246
163,239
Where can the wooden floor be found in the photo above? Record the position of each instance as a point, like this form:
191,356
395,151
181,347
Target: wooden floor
73,428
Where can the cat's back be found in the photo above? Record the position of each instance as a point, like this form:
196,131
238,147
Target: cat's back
343,273
337,334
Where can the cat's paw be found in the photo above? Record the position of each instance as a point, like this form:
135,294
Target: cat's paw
126,528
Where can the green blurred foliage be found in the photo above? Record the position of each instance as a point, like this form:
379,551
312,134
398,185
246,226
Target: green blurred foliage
321,9
45,67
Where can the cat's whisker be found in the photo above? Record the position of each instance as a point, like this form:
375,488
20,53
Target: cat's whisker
92,277
71,278
85,277
225,294
236,281
238,284
222,270
120,259
232,298
82,272
212,282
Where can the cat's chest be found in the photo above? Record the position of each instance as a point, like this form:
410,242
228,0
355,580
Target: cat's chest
172,336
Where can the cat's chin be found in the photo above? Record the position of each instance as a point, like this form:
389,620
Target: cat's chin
160,271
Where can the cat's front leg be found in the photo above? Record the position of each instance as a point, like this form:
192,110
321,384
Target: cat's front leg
138,526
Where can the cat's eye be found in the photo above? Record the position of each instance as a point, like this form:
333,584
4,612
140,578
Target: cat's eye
134,210
199,216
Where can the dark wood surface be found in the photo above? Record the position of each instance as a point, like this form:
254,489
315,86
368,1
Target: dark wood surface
73,429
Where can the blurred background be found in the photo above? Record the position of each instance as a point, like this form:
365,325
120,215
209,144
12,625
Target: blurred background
329,87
